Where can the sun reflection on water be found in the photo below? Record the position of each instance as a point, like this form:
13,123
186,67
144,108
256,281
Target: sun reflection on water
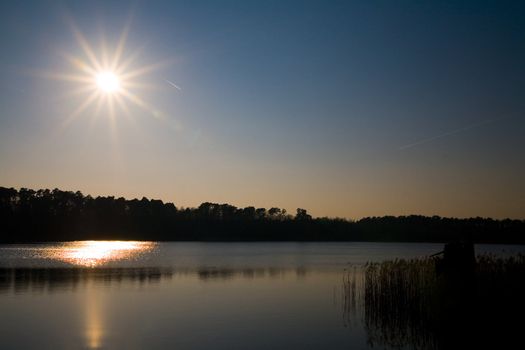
94,329
95,253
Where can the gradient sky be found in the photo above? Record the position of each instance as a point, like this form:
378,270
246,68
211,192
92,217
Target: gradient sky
347,108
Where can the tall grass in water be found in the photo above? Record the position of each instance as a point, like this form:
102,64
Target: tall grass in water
410,304
353,295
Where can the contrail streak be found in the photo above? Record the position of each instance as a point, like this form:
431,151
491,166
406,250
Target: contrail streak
448,133
173,84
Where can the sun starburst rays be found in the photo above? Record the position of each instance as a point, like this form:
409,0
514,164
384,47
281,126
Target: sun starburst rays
120,46
106,81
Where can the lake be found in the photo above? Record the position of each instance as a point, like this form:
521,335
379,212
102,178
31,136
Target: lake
147,295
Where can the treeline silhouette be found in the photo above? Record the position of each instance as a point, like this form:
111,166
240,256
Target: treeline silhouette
53,215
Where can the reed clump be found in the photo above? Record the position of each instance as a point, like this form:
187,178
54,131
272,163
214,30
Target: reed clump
415,304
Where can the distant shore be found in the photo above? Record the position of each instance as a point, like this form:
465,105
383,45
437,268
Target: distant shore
53,215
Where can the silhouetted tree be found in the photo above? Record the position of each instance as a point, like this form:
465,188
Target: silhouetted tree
302,214
43,215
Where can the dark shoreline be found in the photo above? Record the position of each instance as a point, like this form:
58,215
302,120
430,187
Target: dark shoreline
56,216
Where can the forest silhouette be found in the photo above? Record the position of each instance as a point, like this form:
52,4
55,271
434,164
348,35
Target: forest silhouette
53,215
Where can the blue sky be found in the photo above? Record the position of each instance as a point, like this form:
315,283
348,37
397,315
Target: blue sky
344,108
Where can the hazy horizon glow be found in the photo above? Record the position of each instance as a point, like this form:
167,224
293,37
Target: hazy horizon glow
347,109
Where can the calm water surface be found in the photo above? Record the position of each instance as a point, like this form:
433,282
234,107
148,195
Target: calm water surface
147,295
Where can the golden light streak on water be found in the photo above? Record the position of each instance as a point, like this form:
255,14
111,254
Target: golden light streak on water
94,331
96,253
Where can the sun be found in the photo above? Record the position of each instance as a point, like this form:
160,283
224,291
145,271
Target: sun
107,82
106,77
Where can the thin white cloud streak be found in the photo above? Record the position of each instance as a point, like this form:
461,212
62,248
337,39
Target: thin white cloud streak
446,134
173,84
